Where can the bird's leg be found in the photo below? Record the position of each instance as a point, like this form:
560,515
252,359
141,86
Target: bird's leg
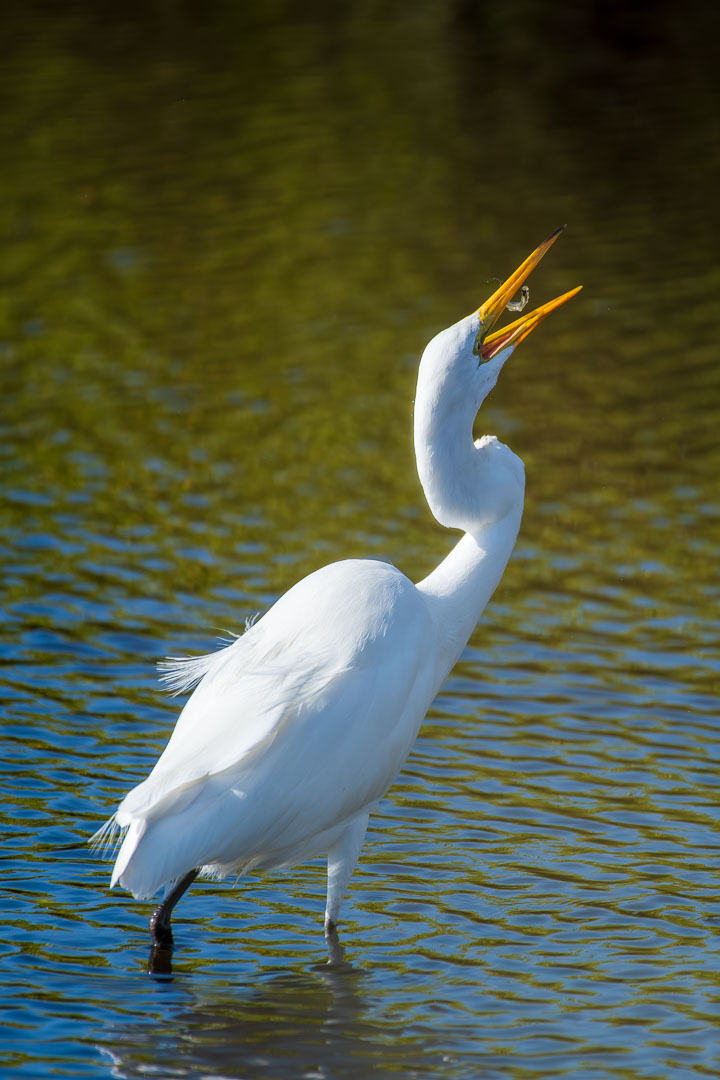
160,919
342,857
336,953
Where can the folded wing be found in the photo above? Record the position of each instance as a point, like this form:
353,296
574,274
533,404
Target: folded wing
293,729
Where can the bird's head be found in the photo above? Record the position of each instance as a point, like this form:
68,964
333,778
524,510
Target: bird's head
458,370
465,360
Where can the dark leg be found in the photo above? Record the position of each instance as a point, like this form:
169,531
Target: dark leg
160,918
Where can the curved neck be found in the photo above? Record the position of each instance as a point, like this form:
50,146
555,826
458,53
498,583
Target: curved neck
474,486
447,460
457,591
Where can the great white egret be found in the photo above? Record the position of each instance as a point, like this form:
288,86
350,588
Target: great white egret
296,730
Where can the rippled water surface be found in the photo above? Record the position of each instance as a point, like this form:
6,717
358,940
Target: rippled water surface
226,238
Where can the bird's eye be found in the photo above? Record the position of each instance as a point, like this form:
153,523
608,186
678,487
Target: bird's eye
477,347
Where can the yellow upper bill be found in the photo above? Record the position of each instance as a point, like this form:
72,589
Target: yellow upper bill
493,308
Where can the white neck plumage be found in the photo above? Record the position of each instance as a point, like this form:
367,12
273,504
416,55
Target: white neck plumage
474,486
459,588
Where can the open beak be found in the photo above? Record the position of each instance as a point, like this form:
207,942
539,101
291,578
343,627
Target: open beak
492,309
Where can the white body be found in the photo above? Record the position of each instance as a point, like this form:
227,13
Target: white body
300,726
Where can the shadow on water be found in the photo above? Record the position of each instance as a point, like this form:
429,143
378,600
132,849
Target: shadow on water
316,1023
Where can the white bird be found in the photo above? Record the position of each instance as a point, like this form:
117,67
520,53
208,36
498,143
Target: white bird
298,728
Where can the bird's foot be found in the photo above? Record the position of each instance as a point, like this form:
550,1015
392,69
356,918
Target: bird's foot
336,953
160,960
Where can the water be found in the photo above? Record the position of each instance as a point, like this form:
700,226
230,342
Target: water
226,239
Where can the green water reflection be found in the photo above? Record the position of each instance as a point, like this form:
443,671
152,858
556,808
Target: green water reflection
227,234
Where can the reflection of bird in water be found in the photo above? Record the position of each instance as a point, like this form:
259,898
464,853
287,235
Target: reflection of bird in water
296,730
324,1023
